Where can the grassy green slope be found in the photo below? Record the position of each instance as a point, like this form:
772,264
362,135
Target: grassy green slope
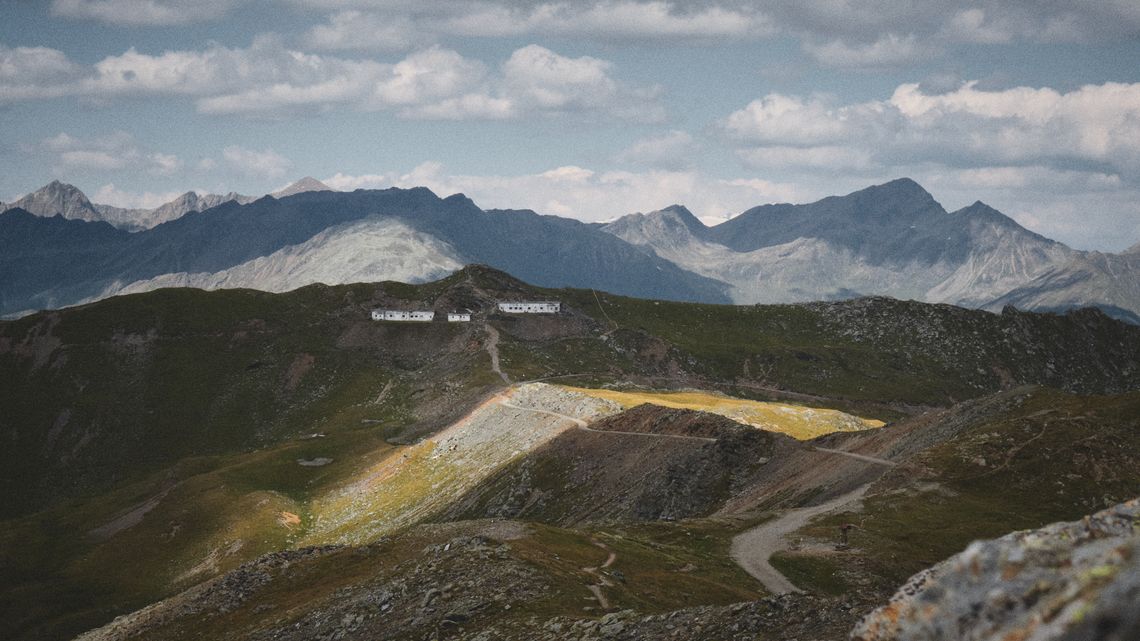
1017,461
881,349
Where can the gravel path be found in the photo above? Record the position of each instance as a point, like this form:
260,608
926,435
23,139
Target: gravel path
493,349
752,549
860,457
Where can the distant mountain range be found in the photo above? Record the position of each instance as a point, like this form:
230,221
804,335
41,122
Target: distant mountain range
59,249
57,198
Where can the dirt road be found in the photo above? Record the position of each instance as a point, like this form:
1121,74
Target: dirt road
859,457
752,549
492,346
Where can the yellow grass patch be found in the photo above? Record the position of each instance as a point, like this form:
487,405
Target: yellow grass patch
799,422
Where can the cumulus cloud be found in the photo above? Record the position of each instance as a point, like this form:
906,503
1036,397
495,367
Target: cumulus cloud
388,26
584,193
265,163
541,79
270,79
964,127
28,73
143,12
777,119
109,152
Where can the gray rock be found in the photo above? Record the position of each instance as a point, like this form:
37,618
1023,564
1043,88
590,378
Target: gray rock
1066,581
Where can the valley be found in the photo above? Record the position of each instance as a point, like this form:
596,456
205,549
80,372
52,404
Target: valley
323,475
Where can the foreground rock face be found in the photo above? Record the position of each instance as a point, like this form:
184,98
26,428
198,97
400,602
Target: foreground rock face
1067,582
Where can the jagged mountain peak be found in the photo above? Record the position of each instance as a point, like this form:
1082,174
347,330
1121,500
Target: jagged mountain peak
983,213
682,214
667,217
58,198
1135,249
60,189
308,183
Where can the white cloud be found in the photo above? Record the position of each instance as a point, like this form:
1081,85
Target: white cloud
584,193
957,21
110,195
258,164
143,12
28,73
165,164
392,26
428,75
670,150
270,79
472,106
792,120
965,127
365,31
891,50
110,152
611,19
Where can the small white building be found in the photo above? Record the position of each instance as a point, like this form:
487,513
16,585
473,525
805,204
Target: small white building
531,307
459,317
403,315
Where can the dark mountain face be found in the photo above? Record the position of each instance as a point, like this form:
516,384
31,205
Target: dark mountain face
543,249
48,262
898,221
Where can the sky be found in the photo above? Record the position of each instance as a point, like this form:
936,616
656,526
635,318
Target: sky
591,109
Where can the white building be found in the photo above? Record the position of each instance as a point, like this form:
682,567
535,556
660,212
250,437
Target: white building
531,307
459,317
402,315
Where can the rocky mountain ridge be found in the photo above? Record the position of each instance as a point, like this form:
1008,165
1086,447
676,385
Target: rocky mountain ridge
892,240
61,199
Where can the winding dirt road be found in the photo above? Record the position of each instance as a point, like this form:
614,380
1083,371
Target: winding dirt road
858,457
753,549
603,582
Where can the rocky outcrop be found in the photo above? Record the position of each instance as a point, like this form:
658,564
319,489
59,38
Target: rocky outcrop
1064,582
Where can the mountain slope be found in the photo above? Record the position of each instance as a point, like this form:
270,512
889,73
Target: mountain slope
891,239
158,440
369,250
1109,281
